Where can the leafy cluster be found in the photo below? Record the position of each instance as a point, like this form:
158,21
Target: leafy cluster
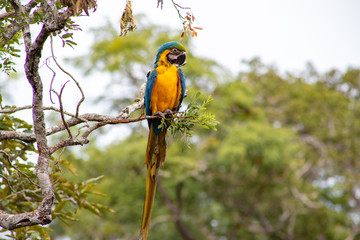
195,114
67,33
8,51
18,183
20,190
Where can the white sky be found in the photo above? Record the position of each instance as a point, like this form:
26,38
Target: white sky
287,33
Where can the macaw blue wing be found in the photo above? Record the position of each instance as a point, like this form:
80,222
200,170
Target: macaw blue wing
182,81
149,87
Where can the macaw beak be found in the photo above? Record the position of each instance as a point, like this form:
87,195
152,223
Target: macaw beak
178,59
181,59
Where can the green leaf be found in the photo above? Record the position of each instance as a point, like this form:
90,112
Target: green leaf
68,217
67,35
92,208
70,43
68,165
60,205
94,180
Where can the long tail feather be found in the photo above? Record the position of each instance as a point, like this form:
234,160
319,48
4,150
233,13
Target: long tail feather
154,158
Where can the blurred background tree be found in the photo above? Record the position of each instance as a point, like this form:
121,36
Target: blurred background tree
282,165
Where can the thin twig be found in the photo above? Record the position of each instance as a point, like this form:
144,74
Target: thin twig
7,15
57,164
62,109
177,6
67,73
12,110
8,183
23,192
11,158
52,79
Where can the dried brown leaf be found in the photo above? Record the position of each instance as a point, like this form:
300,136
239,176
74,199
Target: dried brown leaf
127,22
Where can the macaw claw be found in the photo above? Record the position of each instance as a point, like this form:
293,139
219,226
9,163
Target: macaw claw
159,114
168,113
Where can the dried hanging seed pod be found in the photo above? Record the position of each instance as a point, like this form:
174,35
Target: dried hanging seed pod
127,22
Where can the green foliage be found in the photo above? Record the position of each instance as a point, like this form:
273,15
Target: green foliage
33,232
20,190
67,33
181,125
15,164
122,171
8,51
9,48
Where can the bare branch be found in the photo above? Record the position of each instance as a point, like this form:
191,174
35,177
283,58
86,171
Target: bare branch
13,221
69,142
61,108
12,110
67,73
30,6
26,137
23,192
16,109
52,79
102,120
7,15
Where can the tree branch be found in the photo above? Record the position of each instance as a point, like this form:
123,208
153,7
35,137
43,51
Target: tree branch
102,120
67,73
26,137
62,109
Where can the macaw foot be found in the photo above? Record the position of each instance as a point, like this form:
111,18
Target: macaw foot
159,114
168,113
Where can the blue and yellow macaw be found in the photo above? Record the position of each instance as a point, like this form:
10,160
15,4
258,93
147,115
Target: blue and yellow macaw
165,90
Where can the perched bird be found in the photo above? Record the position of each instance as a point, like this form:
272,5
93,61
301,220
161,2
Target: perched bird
165,90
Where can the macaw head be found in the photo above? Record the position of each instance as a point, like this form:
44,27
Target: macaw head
171,53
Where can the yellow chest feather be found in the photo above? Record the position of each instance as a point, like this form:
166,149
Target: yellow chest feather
167,89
